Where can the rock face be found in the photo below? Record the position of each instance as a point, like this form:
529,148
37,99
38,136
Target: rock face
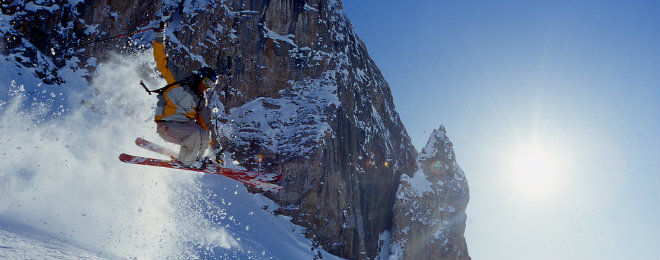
300,93
430,206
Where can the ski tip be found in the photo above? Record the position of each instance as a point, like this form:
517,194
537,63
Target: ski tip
141,141
124,157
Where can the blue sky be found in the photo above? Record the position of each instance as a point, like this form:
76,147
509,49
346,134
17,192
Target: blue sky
553,108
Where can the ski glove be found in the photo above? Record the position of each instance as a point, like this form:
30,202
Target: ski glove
160,28
159,32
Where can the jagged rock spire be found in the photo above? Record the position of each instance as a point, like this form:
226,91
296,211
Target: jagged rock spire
429,219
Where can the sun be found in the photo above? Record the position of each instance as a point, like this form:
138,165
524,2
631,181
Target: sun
534,169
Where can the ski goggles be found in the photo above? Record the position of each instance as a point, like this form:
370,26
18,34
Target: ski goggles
208,82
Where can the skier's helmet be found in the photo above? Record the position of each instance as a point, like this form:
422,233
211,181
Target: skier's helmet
207,72
208,76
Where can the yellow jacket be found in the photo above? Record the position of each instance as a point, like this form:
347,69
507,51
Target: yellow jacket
177,103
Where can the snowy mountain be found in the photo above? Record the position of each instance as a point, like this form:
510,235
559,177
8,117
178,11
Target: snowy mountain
301,97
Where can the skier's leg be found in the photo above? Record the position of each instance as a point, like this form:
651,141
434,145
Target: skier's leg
184,134
167,131
205,142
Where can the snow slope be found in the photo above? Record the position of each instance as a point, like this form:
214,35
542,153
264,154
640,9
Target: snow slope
64,190
21,242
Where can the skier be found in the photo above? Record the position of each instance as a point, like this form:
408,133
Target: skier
178,114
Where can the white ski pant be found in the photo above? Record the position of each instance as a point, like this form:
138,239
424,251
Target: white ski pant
194,140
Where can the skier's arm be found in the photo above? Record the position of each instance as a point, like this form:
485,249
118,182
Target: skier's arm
160,56
170,71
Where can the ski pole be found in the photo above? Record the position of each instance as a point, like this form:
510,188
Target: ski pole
145,87
104,39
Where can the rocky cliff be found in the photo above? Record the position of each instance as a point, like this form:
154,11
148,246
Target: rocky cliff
430,206
301,95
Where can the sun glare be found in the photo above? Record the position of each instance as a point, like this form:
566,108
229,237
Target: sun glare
534,169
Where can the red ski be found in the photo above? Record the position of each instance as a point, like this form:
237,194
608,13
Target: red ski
253,179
